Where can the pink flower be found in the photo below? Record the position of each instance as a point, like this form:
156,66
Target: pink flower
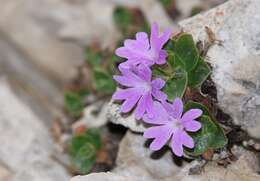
141,51
172,125
139,90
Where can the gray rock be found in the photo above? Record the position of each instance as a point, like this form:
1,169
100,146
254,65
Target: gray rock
135,160
235,60
135,163
26,146
114,115
94,115
107,176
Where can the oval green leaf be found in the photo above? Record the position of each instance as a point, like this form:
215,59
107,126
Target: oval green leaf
210,136
186,51
199,74
176,85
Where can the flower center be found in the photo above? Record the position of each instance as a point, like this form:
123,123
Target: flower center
152,55
146,87
176,124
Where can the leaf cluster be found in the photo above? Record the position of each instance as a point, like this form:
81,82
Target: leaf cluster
83,150
186,68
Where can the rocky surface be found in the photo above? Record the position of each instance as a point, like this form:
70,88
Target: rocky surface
26,146
136,162
128,121
94,115
234,58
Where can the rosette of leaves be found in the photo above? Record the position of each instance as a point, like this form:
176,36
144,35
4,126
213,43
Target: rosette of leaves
186,68
83,150
73,101
101,66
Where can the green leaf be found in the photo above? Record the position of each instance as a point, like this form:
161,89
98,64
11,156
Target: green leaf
104,82
85,158
199,74
93,58
210,136
166,3
83,148
169,46
73,103
92,136
195,105
176,85
186,51
122,18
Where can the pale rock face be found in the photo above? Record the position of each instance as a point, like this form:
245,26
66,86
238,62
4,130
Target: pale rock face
236,60
128,121
94,115
136,162
26,147
106,176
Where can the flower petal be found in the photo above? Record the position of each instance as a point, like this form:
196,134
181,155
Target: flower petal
158,83
149,105
129,103
123,52
122,94
140,108
144,72
142,39
177,108
159,95
186,140
165,37
192,125
156,41
161,116
154,34
123,80
191,115
162,57
176,143
161,134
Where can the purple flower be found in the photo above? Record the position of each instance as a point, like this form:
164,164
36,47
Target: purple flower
141,51
171,125
140,90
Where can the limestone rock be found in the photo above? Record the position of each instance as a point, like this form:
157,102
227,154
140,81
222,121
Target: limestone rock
236,59
128,121
26,146
136,162
108,176
94,115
